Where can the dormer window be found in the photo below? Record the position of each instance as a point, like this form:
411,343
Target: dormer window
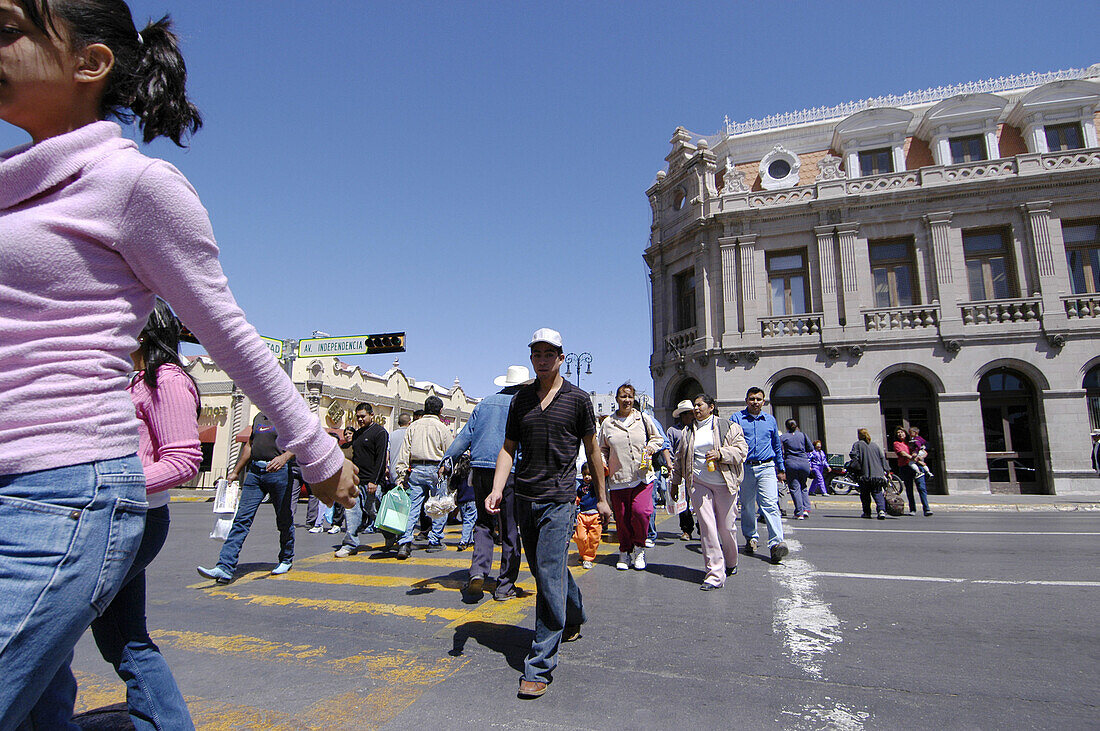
968,149
1064,137
876,162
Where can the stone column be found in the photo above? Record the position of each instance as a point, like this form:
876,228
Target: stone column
830,297
963,445
850,261
730,300
746,282
237,423
1049,254
705,331
659,304
1064,413
939,228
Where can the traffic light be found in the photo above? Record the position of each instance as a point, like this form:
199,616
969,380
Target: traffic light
386,343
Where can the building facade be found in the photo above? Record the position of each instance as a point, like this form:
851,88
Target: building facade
331,387
929,259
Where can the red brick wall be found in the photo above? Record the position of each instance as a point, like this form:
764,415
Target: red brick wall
1009,141
917,153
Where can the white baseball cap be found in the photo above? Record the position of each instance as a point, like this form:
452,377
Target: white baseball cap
546,335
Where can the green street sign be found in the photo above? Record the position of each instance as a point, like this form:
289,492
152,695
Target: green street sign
275,346
352,345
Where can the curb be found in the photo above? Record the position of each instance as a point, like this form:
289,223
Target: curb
985,507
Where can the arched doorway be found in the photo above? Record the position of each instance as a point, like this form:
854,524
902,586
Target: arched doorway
688,389
905,399
797,398
1010,420
1092,396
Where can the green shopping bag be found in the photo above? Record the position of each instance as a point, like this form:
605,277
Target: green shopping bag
393,512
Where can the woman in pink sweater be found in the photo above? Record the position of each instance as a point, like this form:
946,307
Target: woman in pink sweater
90,231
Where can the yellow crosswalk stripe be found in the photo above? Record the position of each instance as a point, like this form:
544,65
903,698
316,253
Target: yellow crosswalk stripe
378,580
342,606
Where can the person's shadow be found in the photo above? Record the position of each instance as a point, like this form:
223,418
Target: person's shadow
676,571
509,640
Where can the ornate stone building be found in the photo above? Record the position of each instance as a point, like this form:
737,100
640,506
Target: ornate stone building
331,387
928,259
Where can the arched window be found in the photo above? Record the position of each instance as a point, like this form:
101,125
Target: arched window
797,398
1092,395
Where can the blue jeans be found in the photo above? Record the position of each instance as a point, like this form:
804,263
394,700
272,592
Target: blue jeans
919,479
67,538
258,483
546,530
468,511
356,519
658,485
422,481
798,473
760,485
154,699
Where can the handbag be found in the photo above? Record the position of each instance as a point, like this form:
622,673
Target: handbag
393,512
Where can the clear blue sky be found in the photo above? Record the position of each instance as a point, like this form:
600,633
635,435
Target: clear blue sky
469,172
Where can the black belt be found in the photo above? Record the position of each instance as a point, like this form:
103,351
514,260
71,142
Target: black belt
418,462
754,462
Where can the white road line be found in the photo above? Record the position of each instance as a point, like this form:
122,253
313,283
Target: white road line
800,528
949,580
807,623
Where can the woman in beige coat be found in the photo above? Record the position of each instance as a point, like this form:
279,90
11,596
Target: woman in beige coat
628,439
710,462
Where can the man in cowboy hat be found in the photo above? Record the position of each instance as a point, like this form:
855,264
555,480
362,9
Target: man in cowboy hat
549,420
682,416
483,435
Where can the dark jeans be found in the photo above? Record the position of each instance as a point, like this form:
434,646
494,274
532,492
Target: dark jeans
922,489
798,474
257,484
153,698
872,487
687,521
546,530
481,563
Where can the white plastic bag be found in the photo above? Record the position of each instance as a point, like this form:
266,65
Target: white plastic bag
221,529
680,504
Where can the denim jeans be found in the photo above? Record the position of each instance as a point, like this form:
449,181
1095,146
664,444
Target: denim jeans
659,485
153,698
919,479
481,563
797,477
546,530
867,491
258,483
468,511
356,519
67,538
760,485
422,479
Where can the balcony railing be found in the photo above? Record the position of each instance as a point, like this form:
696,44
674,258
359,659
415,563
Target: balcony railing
900,318
1082,305
808,323
680,340
879,183
1001,311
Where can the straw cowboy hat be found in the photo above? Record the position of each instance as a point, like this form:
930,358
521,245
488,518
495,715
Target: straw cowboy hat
516,375
681,408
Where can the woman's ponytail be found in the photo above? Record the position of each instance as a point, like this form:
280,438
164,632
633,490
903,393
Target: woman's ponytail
149,79
159,95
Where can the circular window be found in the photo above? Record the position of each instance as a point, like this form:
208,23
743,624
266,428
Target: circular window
779,169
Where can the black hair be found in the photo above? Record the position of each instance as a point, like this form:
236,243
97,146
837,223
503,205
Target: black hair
788,423
364,407
404,420
149,78
709,401
752,390
629,385
159,342
433,405
417,414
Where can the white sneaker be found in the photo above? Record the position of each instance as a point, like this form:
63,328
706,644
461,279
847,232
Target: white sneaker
316,529
345,551
649,543
586,564
624,561
334,529
639,559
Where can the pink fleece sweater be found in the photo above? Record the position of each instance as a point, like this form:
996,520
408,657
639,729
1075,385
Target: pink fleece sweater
168,434
90,229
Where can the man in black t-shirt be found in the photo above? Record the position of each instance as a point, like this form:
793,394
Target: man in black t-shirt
266,473
369,447
548,420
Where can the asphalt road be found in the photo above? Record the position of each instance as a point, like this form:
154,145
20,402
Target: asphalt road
961,620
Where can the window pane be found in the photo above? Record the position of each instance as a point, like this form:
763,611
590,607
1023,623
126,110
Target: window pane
889,251
994,429
779,169
882,287
779,302
998,269
1076,262
1081,233
976,280
967,149
1094,265
798,294
904,277
782,263
1019,427
1063,137
976,243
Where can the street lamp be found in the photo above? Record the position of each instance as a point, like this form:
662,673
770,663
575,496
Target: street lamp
584,359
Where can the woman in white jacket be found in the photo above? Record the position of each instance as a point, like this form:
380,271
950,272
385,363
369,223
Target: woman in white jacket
710,461
628,439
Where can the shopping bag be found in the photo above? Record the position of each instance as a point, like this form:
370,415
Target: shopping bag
393,512
226,497
677,506
221,529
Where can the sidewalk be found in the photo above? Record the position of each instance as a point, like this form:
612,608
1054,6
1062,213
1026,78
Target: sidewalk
977,503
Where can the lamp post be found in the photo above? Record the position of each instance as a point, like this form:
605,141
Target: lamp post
584,359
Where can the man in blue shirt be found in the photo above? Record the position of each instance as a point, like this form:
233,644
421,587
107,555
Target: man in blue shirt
763,470
483,435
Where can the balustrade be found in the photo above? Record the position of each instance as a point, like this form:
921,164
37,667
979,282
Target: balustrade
900,318
1001,311
786,325
1082,305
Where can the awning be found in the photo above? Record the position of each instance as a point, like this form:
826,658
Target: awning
244,435
209,434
